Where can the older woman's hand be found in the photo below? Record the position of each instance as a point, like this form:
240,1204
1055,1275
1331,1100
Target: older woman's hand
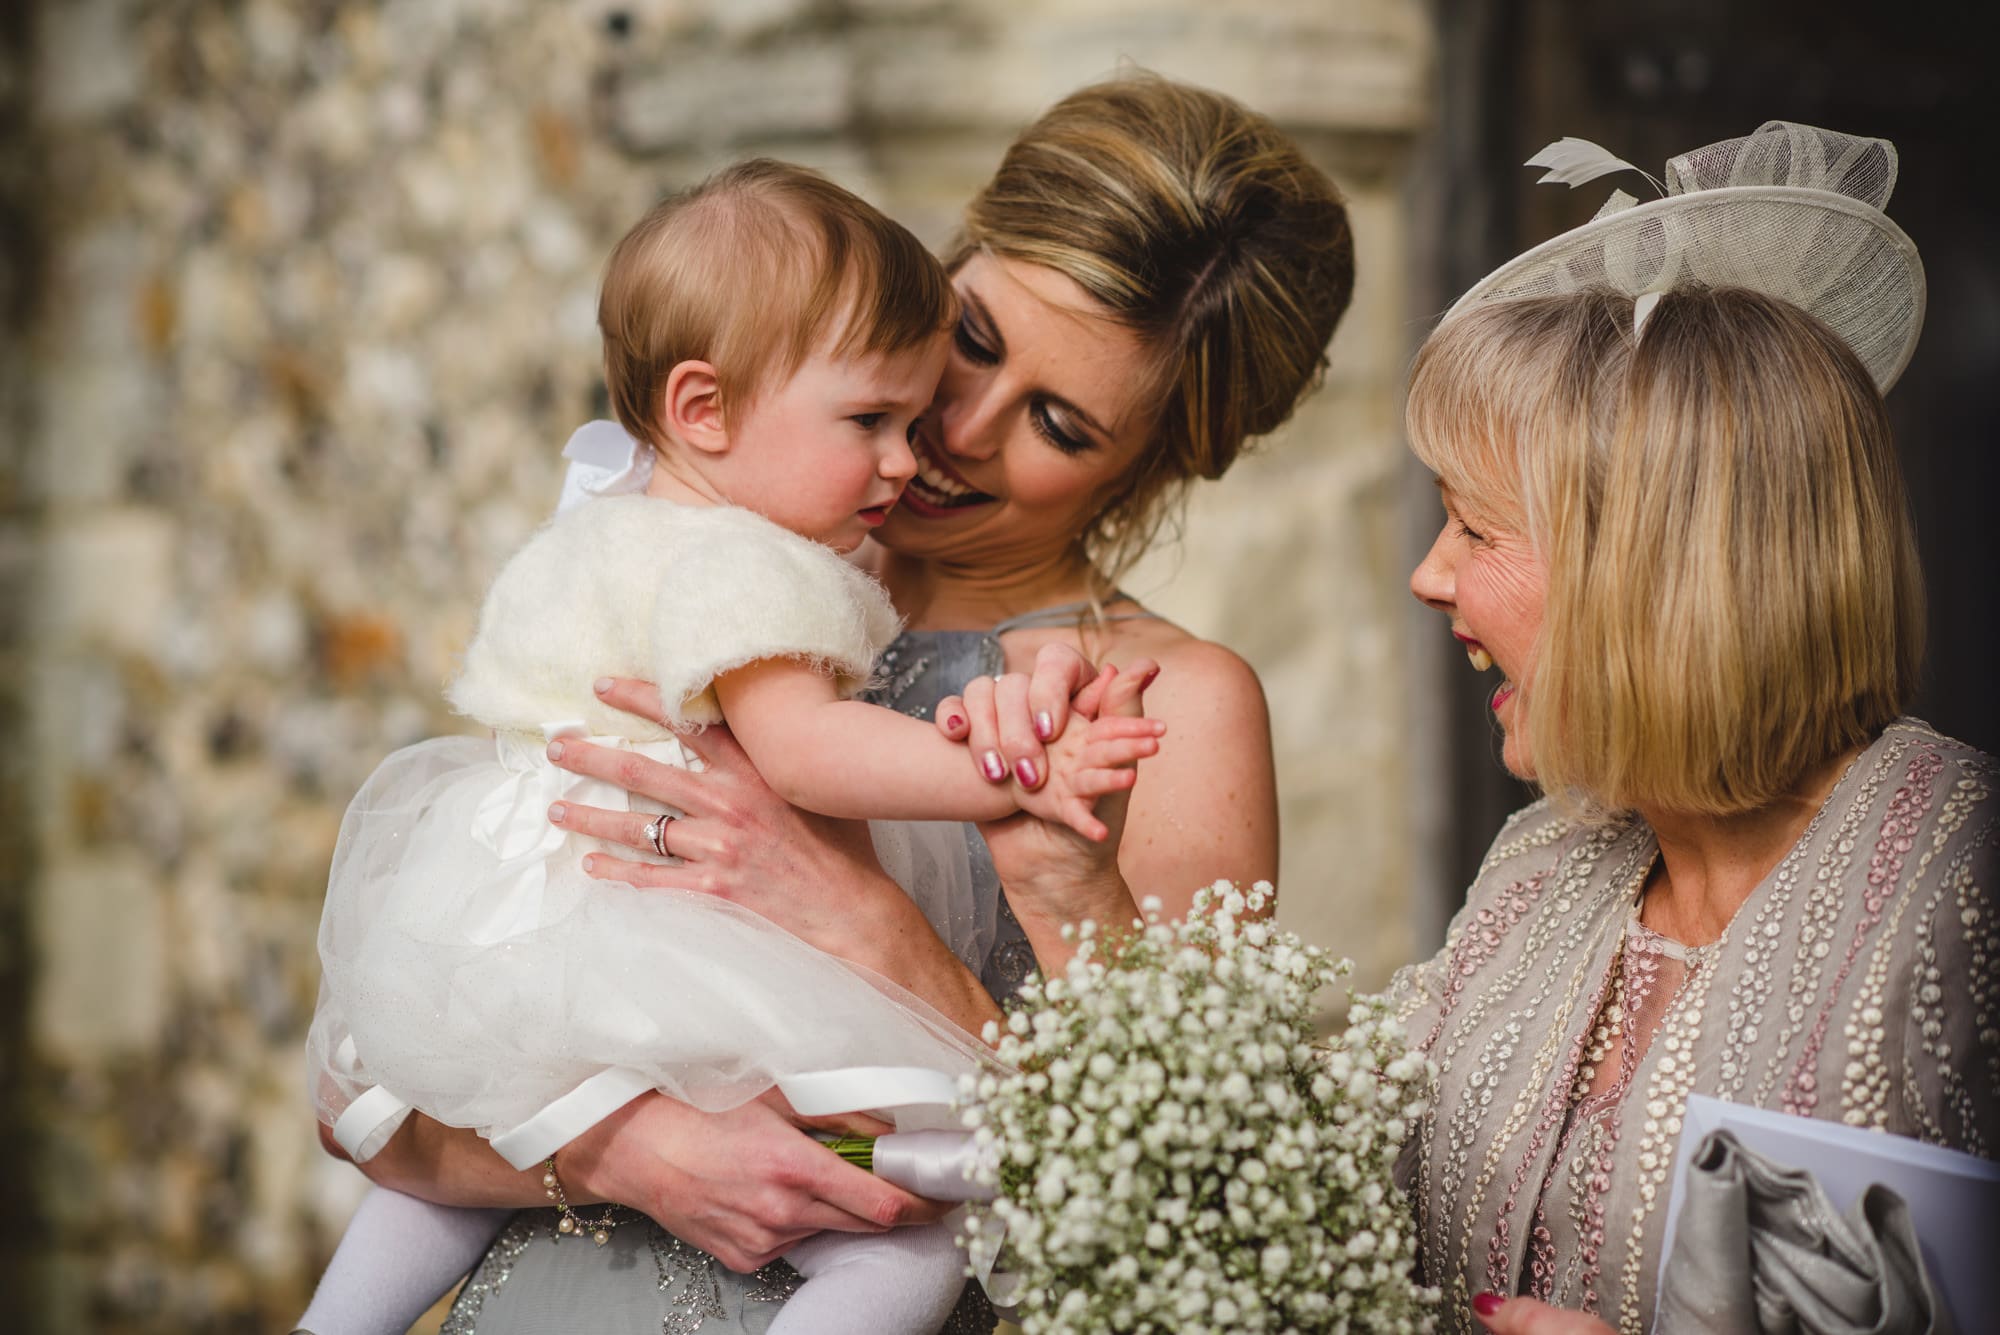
1529,1316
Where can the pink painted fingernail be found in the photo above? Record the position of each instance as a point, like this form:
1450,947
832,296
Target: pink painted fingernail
1151,673
994,766
1045,726
954,722
602,684
1025,771
555,750
557,811
1486,1304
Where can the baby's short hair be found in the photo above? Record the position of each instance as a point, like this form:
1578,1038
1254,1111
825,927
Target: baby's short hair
751,271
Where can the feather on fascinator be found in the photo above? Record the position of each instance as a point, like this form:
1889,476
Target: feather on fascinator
1791,211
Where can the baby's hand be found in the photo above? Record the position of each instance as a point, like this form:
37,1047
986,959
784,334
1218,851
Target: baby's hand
1088,763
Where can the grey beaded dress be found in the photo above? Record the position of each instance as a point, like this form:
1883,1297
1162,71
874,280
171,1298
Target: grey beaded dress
645,1281
1860,982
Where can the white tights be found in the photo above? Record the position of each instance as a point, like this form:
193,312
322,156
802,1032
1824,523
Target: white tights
401,1254
903,1282
398,1256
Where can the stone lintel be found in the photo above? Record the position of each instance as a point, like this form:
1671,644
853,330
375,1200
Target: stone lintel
1364,70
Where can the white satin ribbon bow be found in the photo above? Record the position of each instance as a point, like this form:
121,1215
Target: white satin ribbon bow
604,460
513,818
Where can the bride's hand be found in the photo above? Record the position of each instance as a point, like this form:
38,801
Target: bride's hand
1053,876
816,877
743,1185
737,840
1004,720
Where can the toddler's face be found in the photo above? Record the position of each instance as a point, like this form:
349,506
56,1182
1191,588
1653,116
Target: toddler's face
827,452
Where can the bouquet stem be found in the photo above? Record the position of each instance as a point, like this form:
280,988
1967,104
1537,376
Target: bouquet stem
857,1150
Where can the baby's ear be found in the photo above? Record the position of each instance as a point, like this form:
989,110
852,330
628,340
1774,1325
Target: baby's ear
691,407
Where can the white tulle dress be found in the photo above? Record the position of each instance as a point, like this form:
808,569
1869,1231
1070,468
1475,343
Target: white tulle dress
474,972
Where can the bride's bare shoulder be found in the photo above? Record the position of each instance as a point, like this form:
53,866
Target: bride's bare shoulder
1191,668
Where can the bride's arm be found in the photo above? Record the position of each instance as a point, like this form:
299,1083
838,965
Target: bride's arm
742,1185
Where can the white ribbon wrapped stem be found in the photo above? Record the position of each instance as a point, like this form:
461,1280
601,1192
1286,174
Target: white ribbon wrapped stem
935,1164
922,1155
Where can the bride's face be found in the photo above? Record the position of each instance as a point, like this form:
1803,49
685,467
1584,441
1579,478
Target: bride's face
1036,420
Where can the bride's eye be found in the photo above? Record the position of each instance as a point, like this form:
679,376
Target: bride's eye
1048,428
969,346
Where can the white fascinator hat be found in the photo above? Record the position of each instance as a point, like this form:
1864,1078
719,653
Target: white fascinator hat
1792,211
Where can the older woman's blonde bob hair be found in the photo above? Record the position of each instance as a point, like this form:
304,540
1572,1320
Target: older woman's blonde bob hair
1733,590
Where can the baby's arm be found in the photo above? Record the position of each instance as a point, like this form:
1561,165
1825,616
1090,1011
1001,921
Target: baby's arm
847,759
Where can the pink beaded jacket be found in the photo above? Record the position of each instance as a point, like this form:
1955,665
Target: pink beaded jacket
1859,982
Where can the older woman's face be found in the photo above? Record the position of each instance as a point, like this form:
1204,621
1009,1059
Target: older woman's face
1482,573
1035,421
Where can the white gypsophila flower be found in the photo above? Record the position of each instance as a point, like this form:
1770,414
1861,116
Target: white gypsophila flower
1174,1152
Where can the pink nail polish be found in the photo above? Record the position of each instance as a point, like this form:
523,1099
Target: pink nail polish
556,812
1486,1304
994,767
954,722
555,750
1045,726
1147,680
1024,770
601,685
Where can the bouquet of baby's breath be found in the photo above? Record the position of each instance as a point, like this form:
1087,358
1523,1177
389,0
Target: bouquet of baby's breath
1173,1151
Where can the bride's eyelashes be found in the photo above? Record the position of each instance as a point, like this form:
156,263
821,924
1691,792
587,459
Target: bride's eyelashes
1044,423
970,347
1048,429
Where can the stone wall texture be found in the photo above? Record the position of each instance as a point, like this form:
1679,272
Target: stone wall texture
301,299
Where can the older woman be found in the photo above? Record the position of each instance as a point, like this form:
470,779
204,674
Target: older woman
1150,280
1676,528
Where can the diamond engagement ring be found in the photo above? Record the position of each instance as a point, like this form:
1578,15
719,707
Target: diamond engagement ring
656,833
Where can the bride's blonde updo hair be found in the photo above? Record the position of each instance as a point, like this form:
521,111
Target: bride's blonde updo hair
1199,225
